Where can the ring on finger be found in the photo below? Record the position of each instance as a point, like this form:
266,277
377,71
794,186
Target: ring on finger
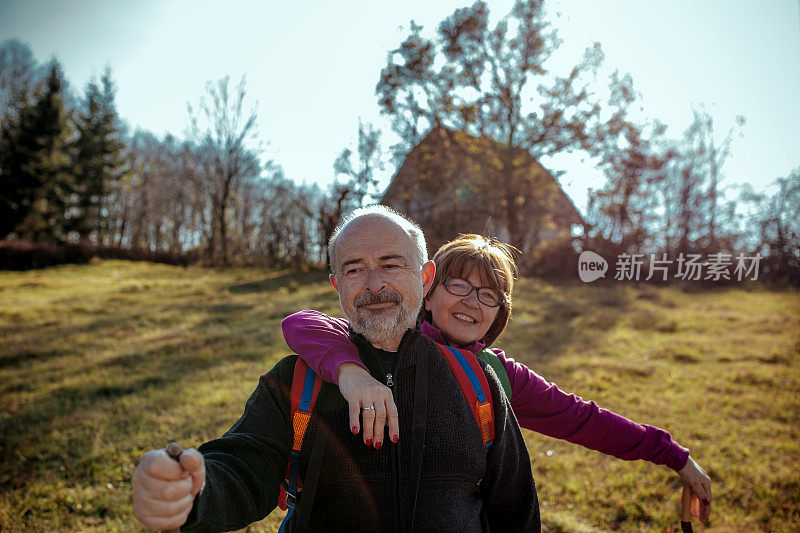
369,408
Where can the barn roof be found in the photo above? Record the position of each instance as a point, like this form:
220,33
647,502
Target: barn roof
447,181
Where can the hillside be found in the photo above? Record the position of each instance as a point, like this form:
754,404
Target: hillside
99,363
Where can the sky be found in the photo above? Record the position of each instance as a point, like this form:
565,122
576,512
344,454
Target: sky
311,67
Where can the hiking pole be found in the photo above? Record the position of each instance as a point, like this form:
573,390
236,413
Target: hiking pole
686,509
174,450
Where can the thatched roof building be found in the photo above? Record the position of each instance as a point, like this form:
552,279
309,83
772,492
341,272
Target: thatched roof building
453,182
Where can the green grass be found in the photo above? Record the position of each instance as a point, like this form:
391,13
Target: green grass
99,363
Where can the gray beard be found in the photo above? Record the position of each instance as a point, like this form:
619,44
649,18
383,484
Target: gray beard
379,327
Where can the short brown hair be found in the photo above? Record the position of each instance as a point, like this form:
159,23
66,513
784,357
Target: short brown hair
494,262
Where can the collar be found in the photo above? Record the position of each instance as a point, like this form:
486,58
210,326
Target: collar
436,335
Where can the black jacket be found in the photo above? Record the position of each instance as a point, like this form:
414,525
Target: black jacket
460,487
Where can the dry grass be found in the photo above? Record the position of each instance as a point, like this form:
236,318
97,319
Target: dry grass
99,363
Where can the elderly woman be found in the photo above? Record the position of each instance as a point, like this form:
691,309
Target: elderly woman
468,306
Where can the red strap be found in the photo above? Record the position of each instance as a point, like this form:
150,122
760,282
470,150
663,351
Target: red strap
299,417
483,411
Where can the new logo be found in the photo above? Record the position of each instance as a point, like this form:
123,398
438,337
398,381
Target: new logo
591,266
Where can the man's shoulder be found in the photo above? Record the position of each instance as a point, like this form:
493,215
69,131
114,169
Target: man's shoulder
286,364
283,371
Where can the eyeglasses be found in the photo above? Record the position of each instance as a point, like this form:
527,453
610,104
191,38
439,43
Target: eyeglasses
486,295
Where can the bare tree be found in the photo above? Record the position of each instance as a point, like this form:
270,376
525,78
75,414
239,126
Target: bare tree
18,78
690,190
492,83
360,178
355,188
774,222
283,233
625,211
223,131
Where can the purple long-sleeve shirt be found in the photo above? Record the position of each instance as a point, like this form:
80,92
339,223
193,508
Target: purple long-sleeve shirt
324,343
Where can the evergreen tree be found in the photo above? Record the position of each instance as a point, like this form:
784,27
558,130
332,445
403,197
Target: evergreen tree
98,159
34,183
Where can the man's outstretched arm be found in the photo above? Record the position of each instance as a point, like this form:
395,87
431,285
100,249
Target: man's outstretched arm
243,468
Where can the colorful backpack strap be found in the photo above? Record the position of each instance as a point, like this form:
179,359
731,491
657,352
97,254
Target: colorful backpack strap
491,359
305,388
475,387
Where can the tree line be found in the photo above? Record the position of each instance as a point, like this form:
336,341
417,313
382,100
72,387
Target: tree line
70,170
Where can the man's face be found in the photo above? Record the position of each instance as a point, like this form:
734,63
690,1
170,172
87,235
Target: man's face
379,279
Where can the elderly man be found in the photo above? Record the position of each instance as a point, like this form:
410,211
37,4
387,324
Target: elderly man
439,477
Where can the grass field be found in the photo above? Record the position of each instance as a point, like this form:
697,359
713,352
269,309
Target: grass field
99,363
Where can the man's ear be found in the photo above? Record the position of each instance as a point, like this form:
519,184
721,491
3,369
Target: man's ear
428,272
333,282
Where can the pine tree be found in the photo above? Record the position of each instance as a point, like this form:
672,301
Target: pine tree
34,183
98,159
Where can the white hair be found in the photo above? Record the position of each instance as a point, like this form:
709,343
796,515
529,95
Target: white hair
408,225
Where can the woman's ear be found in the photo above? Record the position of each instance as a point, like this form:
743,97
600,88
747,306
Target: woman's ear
333,282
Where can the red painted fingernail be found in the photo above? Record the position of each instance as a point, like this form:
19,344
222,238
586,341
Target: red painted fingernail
369,442
378,445
395,438
355,430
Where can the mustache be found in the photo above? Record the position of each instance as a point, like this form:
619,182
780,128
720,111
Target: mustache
369,298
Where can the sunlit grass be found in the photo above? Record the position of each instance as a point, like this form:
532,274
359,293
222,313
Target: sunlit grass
99,363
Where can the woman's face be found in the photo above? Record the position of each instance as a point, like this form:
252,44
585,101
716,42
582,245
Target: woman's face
463,319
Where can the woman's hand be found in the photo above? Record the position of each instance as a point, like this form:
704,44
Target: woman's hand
696,478
361,390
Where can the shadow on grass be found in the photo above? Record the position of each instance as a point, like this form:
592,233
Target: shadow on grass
104,390
291,280
65,389
27,356
552,318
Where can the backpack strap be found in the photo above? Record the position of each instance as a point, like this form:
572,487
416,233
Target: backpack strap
304,392
490,358
475,387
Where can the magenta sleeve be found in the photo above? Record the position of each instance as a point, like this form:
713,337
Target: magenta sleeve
542,407
323,342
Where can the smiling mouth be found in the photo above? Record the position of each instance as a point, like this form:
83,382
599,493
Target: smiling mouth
465,318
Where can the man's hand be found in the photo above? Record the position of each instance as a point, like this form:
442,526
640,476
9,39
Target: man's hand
696,478
164,489
361,390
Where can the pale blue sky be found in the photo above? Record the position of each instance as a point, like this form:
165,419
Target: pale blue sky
312,66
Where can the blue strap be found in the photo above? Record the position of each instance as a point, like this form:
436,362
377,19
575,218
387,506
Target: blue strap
308,391
291,488
294,475
289,514
473,379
